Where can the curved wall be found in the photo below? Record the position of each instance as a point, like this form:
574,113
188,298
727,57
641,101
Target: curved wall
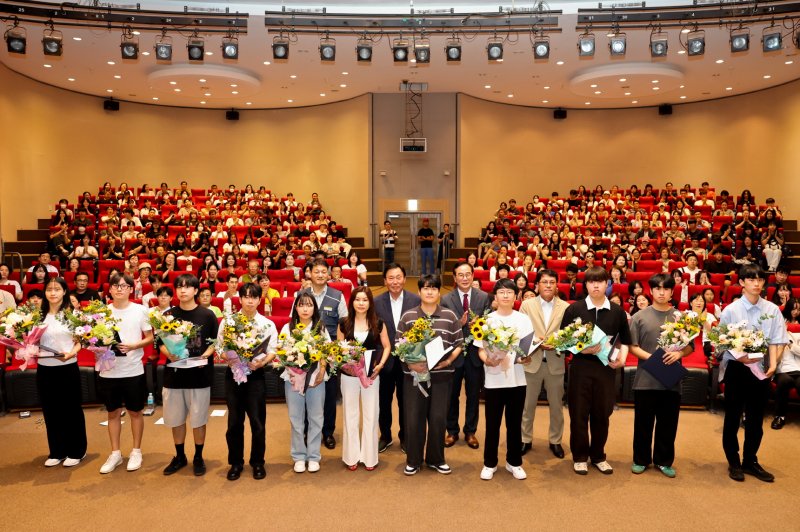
55,143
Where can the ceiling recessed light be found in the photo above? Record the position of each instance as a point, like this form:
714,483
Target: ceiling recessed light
267,63
137,32
487,86
593,85
587,103
683,97
248,103
559,63
173,82
681,52
47,66
290,101
155,98
117,77
209,53
207,94
720,61
203,102
70,79
510,95
545,101
682,86
111,63
655,88
788,62
234,92
598,92
177,90
627,94
546,87
109,90
623,80
201,80
635,101
342,85
685,30
145,53
345,73
766,76
293,76
728,88
77,39
655,81
322,94
234,85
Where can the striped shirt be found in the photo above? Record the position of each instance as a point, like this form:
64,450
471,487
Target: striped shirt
445,324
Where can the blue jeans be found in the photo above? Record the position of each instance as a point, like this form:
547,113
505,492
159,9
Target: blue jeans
313,402
427,259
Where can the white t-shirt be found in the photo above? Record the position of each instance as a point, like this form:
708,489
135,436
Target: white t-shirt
515,375
57,337
263,323
133,322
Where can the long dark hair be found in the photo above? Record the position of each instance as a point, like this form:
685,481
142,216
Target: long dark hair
64,300
304,296
348,324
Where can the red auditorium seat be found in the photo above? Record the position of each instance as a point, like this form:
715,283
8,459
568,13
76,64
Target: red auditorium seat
282,306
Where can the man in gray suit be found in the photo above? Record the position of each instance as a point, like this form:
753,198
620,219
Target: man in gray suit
390,306
547,366
468,368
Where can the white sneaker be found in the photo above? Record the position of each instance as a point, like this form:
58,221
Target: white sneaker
51,462
300,466
517,471
134,460
487,473
114,459
581,468
313,467
604,467
72,462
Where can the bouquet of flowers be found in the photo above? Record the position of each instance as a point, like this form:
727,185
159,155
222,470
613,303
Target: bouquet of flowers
410,348
347,355
739,340
174,333
498,341
297,352
96,329
676,335
21,329
240,338
575,337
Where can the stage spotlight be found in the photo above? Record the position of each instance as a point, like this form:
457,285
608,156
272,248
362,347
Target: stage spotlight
230,47
52,42
280,47
771,40
541,47
452,49
400,50
327,49
586,45
196,49
696,42
494,49
364,49
422,50
617,44
163,47
659,44
740,40
16,39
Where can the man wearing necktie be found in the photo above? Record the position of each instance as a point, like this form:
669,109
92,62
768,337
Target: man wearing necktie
469,368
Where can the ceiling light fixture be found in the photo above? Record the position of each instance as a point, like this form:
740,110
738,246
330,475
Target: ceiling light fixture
452,49
696,42
586,44
740,40
280,47
616,42
52,41
422,50
541,46
771,39
364,49
400,50
327,48
129,44
196,47
494,49
163,47
230,47
659,43
16,39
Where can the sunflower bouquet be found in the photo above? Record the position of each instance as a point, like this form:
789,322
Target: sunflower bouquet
575,337
298,352
172,332
238,343
676,335
347,355
410,348
96,329
21,329
497,340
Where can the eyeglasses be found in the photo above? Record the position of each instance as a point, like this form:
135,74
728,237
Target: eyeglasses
121,286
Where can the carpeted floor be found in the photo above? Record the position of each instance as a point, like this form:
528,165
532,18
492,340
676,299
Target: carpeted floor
552,498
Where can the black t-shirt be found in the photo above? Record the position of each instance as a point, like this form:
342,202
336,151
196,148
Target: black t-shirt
612,321
425,231
203,376
88,295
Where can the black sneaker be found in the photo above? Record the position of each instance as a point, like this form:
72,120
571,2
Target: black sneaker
199,467
383,445
778,423
444,469
736,473
759,472
177,463
410,471
329,441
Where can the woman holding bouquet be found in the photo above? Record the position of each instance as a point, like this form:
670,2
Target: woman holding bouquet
504,384
306,444
59,382
248,397
363,326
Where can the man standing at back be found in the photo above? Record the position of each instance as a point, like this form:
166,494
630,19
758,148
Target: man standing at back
425,239
389,306
332,307
463,299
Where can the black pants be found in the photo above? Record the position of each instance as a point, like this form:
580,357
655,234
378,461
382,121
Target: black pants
329,409
473,380
426,417
590,393
744,393
246,398
60,392
390,381
512,400
659,410
785,383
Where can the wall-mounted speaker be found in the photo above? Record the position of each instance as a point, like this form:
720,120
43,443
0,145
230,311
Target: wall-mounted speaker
111,105
559,114
231,115
665,109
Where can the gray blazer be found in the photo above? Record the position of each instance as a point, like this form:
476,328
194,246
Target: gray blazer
479,302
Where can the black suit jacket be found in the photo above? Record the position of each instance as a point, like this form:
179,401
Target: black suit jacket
383,308
479,302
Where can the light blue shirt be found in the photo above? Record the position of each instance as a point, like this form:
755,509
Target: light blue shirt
773,326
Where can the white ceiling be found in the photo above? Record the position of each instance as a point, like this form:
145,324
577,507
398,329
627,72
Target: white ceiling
257,81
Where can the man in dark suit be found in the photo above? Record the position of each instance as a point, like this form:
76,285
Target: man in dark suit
468,368
390,306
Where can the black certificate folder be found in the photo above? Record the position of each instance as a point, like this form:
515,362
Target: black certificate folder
668,375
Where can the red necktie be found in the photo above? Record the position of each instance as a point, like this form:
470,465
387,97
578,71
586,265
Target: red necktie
466,303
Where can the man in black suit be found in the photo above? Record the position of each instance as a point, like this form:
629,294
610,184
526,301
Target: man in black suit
389,307
461,300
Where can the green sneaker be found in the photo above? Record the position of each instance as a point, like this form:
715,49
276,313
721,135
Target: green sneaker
667,470
637,469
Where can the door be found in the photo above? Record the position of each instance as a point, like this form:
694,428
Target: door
406,251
